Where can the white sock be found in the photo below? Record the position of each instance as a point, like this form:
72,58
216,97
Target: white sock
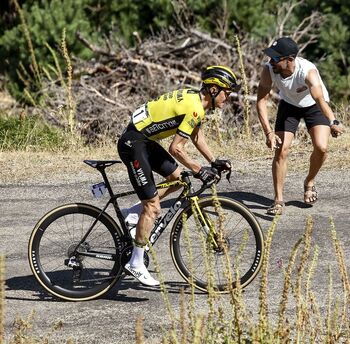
136,259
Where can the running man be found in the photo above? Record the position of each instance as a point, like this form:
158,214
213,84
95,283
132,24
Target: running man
302,95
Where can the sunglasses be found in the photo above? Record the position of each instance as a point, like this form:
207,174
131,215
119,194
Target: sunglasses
277,59
228,91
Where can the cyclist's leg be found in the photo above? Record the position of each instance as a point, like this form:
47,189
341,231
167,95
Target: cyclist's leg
165,165
173,176
132,148
133,151
150,211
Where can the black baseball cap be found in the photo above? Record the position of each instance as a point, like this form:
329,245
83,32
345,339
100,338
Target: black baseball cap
282,47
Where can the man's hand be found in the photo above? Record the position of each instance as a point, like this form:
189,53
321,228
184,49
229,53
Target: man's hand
207,174
273,141
222,165
336,130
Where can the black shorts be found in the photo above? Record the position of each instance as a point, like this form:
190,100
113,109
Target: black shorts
288,117
142,156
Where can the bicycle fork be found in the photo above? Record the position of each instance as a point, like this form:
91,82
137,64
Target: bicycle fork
205,222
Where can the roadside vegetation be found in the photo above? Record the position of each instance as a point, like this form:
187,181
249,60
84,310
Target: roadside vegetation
302,316
73,96
30,134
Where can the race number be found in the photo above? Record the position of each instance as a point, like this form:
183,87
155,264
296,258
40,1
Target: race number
140,114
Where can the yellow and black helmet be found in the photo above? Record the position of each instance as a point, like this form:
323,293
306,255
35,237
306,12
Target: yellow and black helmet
221,76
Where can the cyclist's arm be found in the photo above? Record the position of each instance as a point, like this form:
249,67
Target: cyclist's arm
177,150
313,81
199,141
264,89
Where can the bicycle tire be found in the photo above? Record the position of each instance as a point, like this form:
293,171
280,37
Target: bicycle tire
55,236
204,266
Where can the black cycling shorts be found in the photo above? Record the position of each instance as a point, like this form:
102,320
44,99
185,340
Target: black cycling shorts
142,156
288,117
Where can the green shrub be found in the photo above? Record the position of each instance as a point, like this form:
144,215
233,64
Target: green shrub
29,133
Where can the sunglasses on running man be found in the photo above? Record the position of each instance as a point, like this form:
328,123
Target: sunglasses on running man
277,59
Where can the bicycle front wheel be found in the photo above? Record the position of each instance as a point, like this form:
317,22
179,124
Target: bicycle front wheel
215,254
69,271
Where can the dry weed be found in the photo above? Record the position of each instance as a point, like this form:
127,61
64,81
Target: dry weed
248,155
2,298
304,323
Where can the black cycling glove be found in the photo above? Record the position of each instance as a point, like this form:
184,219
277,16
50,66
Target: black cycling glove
207,174
222,165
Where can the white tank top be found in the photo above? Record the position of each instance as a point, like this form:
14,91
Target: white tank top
294,89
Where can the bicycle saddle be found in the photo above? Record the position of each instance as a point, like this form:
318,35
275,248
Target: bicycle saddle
101,163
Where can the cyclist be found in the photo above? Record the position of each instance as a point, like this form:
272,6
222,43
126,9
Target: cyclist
178,113
303,95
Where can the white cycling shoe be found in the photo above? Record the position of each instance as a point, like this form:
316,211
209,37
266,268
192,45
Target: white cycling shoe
142,275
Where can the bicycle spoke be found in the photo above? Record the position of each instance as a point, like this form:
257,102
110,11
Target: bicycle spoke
48,264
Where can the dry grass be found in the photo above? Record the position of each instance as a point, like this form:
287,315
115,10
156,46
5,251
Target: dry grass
248,155
2,298
299,317
25,166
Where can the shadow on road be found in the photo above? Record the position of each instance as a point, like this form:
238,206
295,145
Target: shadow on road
29,283
298,204
249,199
26,283
255,201
117,293
172,287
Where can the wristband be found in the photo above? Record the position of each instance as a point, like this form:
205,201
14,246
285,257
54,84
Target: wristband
269,133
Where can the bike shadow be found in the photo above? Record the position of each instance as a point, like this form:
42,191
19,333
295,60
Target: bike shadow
172,287
26,283
256,203
117,293
29,284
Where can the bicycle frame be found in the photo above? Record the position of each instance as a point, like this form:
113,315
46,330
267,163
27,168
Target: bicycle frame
166,219
161,225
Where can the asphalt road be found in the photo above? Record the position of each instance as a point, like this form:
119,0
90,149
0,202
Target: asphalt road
111,319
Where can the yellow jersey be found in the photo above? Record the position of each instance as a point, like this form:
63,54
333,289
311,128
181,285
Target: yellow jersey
180,112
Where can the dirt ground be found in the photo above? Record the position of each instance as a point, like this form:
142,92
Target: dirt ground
111,319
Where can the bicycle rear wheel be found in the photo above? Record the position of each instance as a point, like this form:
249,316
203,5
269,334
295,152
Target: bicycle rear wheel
70,274
217,258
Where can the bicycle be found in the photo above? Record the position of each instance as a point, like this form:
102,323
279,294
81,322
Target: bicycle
77,251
